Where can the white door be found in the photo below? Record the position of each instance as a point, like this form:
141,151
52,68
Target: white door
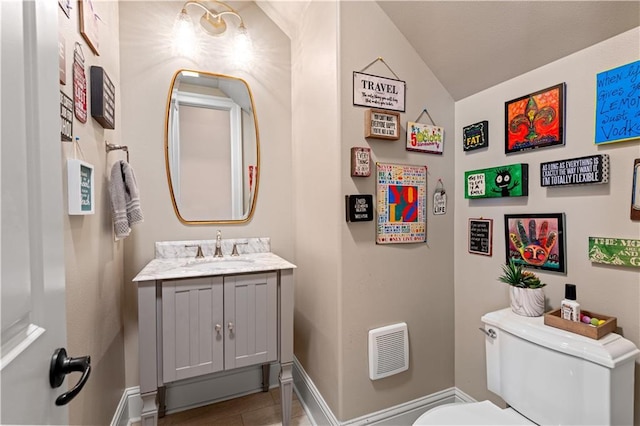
31,253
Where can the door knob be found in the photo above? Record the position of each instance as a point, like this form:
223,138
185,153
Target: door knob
61,365
230,325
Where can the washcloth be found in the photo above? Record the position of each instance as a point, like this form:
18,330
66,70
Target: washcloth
125,199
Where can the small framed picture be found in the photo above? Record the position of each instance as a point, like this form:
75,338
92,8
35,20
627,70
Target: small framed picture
425,138
475,136
89,24
360,161
381,124
535,120
481,236
536,240
81,183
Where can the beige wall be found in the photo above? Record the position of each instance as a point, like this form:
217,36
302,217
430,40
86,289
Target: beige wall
93,261
592,210
386,284
147,66
317,171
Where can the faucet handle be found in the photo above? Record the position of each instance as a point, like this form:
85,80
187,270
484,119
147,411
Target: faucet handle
199,254
234,252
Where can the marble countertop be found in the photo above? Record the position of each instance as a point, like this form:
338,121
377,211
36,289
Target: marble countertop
176,259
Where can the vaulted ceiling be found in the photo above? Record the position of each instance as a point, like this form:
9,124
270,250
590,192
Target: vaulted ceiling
473,45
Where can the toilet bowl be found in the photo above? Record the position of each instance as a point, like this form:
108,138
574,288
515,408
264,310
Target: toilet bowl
473,413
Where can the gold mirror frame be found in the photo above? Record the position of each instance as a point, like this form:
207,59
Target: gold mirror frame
166,153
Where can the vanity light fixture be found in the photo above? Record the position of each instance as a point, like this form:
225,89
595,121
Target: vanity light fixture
212,21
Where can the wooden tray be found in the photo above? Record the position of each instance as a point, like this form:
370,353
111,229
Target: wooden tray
553,319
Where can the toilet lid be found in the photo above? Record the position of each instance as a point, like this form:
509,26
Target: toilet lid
474,413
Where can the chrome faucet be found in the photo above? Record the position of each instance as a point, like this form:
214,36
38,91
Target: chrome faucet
218,252
234,252
199,254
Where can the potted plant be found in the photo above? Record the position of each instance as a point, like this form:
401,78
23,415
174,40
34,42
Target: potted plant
525,291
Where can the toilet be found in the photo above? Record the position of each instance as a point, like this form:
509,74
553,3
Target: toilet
547,376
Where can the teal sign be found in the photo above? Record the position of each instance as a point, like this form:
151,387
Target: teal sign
86,174
496,182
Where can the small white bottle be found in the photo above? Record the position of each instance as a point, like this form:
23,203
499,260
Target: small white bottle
569,308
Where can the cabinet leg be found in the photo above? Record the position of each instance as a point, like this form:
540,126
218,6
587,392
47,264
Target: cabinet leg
286,392
162,402
266,372
149,415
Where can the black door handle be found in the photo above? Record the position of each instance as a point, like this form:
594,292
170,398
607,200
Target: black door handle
61,365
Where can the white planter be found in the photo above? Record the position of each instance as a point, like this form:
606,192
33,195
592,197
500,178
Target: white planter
528,302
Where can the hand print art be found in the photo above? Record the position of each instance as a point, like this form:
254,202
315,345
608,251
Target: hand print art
535,240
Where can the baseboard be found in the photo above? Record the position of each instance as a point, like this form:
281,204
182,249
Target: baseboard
319,412
197,392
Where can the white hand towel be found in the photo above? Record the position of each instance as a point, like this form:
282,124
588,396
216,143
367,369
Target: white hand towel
125,199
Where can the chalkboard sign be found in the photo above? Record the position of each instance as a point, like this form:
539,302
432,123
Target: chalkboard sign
359,208
575,171
481,236
618,104
475,136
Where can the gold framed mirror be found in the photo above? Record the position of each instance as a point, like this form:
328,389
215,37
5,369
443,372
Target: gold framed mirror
212,148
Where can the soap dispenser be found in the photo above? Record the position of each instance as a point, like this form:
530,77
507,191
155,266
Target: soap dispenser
569,308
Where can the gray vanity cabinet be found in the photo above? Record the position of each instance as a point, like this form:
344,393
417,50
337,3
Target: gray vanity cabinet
218,323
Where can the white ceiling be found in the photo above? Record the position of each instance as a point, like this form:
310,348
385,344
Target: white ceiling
473,45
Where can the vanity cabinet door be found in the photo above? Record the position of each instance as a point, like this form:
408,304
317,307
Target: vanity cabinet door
251,319
192,336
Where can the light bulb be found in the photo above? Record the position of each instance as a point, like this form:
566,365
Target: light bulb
184,36
242,48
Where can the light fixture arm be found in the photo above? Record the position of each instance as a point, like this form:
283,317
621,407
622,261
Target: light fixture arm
215,14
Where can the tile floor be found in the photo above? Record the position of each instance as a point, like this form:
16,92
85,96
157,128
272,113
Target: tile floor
258,409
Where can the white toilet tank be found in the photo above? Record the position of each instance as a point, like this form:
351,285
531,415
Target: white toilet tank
552,376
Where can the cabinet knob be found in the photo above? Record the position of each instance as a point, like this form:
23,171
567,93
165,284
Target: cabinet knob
230,327
218,328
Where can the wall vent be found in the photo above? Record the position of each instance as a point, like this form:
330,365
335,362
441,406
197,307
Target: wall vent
388,350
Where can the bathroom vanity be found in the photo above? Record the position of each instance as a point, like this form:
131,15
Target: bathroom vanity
204,315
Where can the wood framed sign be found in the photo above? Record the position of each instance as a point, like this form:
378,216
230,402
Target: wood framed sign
359,208
79,85
496,182
617,105
481,236
575,171
89,21
360,161
381,124
535,120
614,251
425,138
81,187
103,98
378,92
635,191
475,136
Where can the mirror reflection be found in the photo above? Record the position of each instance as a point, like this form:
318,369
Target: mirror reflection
212,148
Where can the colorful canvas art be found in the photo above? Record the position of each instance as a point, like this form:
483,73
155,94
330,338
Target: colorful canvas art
615,251
535,120
496,182
425,138
401,203
536,240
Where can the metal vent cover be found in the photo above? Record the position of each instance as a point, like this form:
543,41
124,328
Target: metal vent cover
388,350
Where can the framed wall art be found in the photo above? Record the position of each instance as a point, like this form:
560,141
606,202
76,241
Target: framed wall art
635,191
496,182
81,183
475,136
535,120
89,24
481,236
575,171
615,251
360,161
359,208
536,240
401,203
425,138
617,106
103,98
380,124
378,92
